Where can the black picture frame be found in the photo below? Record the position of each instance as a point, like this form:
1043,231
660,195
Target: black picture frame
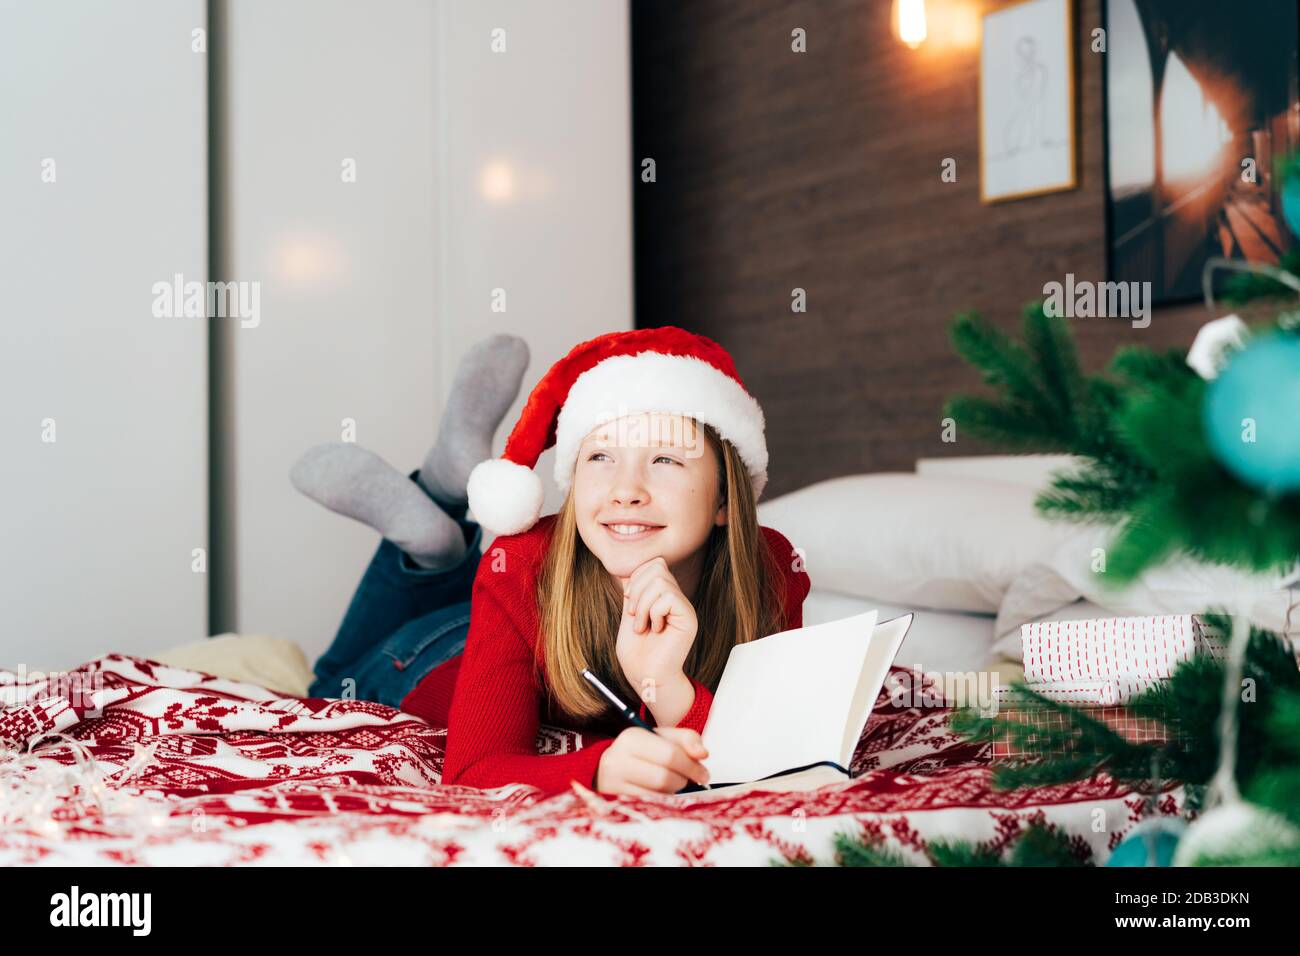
1179,288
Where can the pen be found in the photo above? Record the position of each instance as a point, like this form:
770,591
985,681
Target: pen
632,717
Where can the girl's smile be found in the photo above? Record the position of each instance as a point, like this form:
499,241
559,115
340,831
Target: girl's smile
629,531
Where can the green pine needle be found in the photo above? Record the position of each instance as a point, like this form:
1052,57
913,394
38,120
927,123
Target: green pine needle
1145,468
1073,745
1036,845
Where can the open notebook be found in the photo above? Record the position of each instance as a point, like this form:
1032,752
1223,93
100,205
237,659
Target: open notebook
790,708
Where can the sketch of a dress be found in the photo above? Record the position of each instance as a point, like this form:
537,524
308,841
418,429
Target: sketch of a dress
1024,128
1026,100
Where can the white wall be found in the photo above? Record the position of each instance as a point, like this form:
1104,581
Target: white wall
372,291
97,528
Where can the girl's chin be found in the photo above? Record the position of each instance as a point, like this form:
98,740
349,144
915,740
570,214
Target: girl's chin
625,559
622,566
621,558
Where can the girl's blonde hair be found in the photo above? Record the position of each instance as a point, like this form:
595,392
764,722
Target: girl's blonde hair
740,598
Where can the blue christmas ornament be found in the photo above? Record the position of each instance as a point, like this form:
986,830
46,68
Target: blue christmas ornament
1291,203
1152,843
1252,414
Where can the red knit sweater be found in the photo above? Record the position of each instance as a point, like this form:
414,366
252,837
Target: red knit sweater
489,699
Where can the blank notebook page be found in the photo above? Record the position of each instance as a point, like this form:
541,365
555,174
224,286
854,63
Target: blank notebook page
785,700
886,639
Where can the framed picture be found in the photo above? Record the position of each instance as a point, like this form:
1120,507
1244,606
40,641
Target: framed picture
1199,102
1027,142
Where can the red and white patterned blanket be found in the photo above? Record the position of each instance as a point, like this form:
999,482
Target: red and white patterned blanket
183,768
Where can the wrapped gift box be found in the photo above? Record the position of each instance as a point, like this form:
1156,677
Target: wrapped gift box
1123,721
1108,661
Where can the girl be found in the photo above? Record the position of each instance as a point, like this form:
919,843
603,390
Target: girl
653,568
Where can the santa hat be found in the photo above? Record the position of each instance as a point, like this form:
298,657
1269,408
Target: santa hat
666,370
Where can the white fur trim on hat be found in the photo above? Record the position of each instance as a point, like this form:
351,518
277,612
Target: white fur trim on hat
506,497
670,384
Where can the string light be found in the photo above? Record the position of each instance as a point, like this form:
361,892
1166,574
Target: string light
39,794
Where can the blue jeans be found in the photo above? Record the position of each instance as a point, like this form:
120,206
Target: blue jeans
403,622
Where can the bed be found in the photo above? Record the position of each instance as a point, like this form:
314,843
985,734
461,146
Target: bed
181,764
185,768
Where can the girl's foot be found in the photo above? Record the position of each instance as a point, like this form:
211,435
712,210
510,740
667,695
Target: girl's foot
486,385
352,481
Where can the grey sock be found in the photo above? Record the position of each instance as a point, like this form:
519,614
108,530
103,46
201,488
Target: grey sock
352,481
486,384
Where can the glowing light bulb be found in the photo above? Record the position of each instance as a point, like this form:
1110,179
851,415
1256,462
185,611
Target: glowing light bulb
910,21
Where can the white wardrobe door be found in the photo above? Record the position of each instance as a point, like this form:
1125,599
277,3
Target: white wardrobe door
330,206
388,172
103,408
536,186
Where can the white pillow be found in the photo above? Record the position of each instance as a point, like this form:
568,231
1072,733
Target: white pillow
1179,586
948,544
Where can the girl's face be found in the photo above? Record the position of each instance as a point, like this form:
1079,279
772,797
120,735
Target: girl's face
654,470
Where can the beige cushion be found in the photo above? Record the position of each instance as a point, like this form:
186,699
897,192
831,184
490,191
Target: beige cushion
271,662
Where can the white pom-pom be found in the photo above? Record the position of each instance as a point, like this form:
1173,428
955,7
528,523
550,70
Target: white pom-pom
1234,829
1215,343
505,497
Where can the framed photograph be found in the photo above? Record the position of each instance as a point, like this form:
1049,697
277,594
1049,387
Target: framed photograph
1027,141
1199,102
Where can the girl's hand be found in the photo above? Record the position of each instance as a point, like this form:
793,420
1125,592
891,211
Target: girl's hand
657,628
648,763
